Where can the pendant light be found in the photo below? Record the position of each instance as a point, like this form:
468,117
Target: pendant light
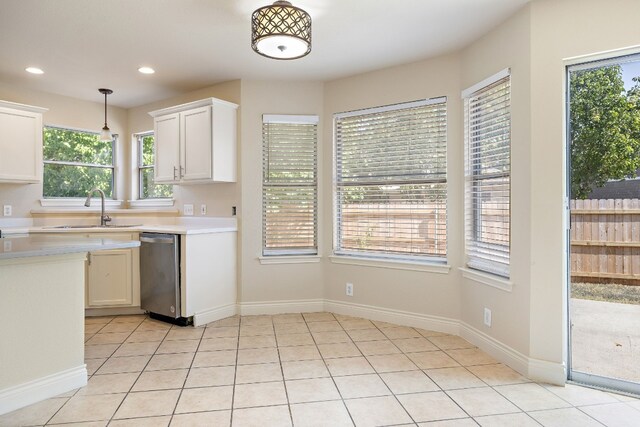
281,31
105,134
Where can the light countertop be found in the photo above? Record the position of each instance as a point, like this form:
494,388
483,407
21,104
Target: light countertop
41,245
210,225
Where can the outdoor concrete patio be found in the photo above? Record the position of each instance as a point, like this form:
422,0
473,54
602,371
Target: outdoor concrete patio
606,339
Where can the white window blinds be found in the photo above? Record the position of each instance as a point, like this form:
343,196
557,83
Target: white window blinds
488,175
289,185
391,181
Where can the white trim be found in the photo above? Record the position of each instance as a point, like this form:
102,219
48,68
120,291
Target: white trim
213,314
486,82
23,107
392,264
487,279
278,307
147,203
289,259
189,105
598,56
31,392
113,311
79,203
433,323
534,369
392,107
297,119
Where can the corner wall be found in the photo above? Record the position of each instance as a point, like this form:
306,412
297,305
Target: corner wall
265,288
427,293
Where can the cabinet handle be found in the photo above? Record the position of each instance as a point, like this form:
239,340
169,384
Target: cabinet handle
175,170
181,172
89,258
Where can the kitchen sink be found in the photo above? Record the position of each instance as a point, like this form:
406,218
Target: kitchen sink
93,226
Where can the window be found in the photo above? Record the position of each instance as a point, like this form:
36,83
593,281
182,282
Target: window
147,188
76,161
391,181
289,185
488,174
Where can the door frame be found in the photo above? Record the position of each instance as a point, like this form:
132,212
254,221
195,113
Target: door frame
571,64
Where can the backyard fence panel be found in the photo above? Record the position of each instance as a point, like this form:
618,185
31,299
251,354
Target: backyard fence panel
605,240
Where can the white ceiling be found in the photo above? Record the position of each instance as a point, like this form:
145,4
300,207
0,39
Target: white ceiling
83,45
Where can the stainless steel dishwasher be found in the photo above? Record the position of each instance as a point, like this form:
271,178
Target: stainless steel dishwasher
160,277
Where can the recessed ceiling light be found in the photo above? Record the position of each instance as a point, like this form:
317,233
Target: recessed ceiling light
34,70
146,70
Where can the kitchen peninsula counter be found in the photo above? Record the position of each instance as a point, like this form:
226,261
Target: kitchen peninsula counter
42,286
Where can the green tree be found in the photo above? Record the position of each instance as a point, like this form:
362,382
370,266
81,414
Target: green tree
75,162
605,128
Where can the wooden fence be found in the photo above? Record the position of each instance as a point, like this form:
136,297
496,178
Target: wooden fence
605,241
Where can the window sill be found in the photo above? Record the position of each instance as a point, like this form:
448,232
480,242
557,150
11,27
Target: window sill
289,259
79,203
392,264
487,279
148,203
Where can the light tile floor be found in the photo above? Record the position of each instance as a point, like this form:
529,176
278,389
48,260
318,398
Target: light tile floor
314,369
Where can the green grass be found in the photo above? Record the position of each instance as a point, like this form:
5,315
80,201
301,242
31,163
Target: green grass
609,292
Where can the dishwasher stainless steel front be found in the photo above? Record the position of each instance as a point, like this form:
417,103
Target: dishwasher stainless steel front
160,276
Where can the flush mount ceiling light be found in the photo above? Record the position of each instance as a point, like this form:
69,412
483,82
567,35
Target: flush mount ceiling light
105,134
281,31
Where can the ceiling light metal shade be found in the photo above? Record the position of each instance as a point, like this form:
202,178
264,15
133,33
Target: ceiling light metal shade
281,31
105,134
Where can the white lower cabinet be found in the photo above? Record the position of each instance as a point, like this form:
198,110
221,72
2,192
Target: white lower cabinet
113,277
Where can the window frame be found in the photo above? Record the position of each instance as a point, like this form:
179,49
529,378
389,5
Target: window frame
389,258
301,255
472,179
51,200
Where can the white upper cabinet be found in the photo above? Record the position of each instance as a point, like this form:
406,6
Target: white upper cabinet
20,143
196,142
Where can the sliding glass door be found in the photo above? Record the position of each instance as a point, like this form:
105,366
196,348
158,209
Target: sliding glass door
604,201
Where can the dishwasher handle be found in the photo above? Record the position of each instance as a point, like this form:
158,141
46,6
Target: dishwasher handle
147,239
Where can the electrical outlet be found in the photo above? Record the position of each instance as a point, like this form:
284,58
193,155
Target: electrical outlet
487,317
7,210
349,289
233,210
203,209
188,209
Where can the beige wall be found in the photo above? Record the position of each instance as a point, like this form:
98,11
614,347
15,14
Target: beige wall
560,30
418,292
283,281
507,46
66,112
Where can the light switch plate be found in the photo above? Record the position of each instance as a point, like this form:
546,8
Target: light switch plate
7,210
203,209
188,210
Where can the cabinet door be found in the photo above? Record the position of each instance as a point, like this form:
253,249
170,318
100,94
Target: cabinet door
196,144
110,278
167,148
20,145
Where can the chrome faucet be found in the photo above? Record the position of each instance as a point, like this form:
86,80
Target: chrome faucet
104,218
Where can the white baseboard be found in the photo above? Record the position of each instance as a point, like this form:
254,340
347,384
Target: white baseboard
214,314
113,311
534,369
405,318
31,392
278,307
547,372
